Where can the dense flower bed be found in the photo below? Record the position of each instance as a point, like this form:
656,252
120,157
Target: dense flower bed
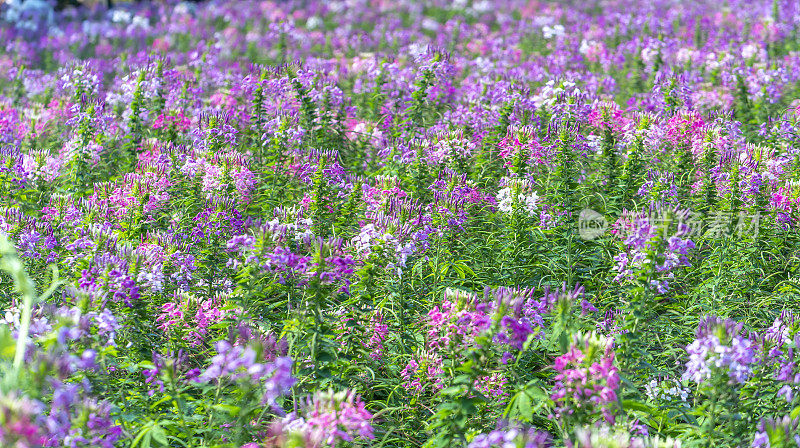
400,223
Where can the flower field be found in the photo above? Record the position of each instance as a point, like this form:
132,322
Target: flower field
397,223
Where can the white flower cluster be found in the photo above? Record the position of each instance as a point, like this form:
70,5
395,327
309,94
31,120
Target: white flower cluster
474,8
552,31
549,93
590,46
714,61
528,202
291,226
667,390
79,77
649,54
687,55
751,50
370,238
595,142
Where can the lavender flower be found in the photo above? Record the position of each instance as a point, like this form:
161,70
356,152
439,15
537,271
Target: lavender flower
719,347
511,436
777,432
239,363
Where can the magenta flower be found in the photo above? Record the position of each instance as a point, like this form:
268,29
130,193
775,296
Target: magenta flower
328,417
586,380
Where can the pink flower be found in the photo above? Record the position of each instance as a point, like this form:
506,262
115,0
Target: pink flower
584,386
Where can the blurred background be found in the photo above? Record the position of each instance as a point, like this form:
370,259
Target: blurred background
32,18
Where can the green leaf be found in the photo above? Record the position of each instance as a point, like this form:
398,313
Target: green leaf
452,390
163,399
7,343
159,435
637,406
231,410
139,437
524,405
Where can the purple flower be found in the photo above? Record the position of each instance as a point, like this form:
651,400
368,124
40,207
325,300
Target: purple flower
511,436
20,420
719,347
280,382
28,242
231,361
647,253
239,363
777,432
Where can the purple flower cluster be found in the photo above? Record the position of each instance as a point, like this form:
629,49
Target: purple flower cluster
19,425
720,347
511,436
773,432
72,420
191,316
77,421
651,251
237,363
462,316
779,352
208,176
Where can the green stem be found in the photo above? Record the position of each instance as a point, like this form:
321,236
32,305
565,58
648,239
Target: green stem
10,262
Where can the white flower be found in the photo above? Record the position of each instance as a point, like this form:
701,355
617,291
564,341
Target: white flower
139,22
586,45
684,55
553,31
593,141
482,6
649,55
314,22
430,24
528,202
120,16
749,50
505,205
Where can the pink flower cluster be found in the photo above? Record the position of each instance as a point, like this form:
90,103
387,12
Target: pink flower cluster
178,120
328,418
586,380
191,316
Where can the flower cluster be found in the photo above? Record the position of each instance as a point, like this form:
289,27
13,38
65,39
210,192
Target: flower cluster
511,436
720,347
518,194
667,390
651,251
236,363
328,418
777,432
586,380
218,208
614,436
